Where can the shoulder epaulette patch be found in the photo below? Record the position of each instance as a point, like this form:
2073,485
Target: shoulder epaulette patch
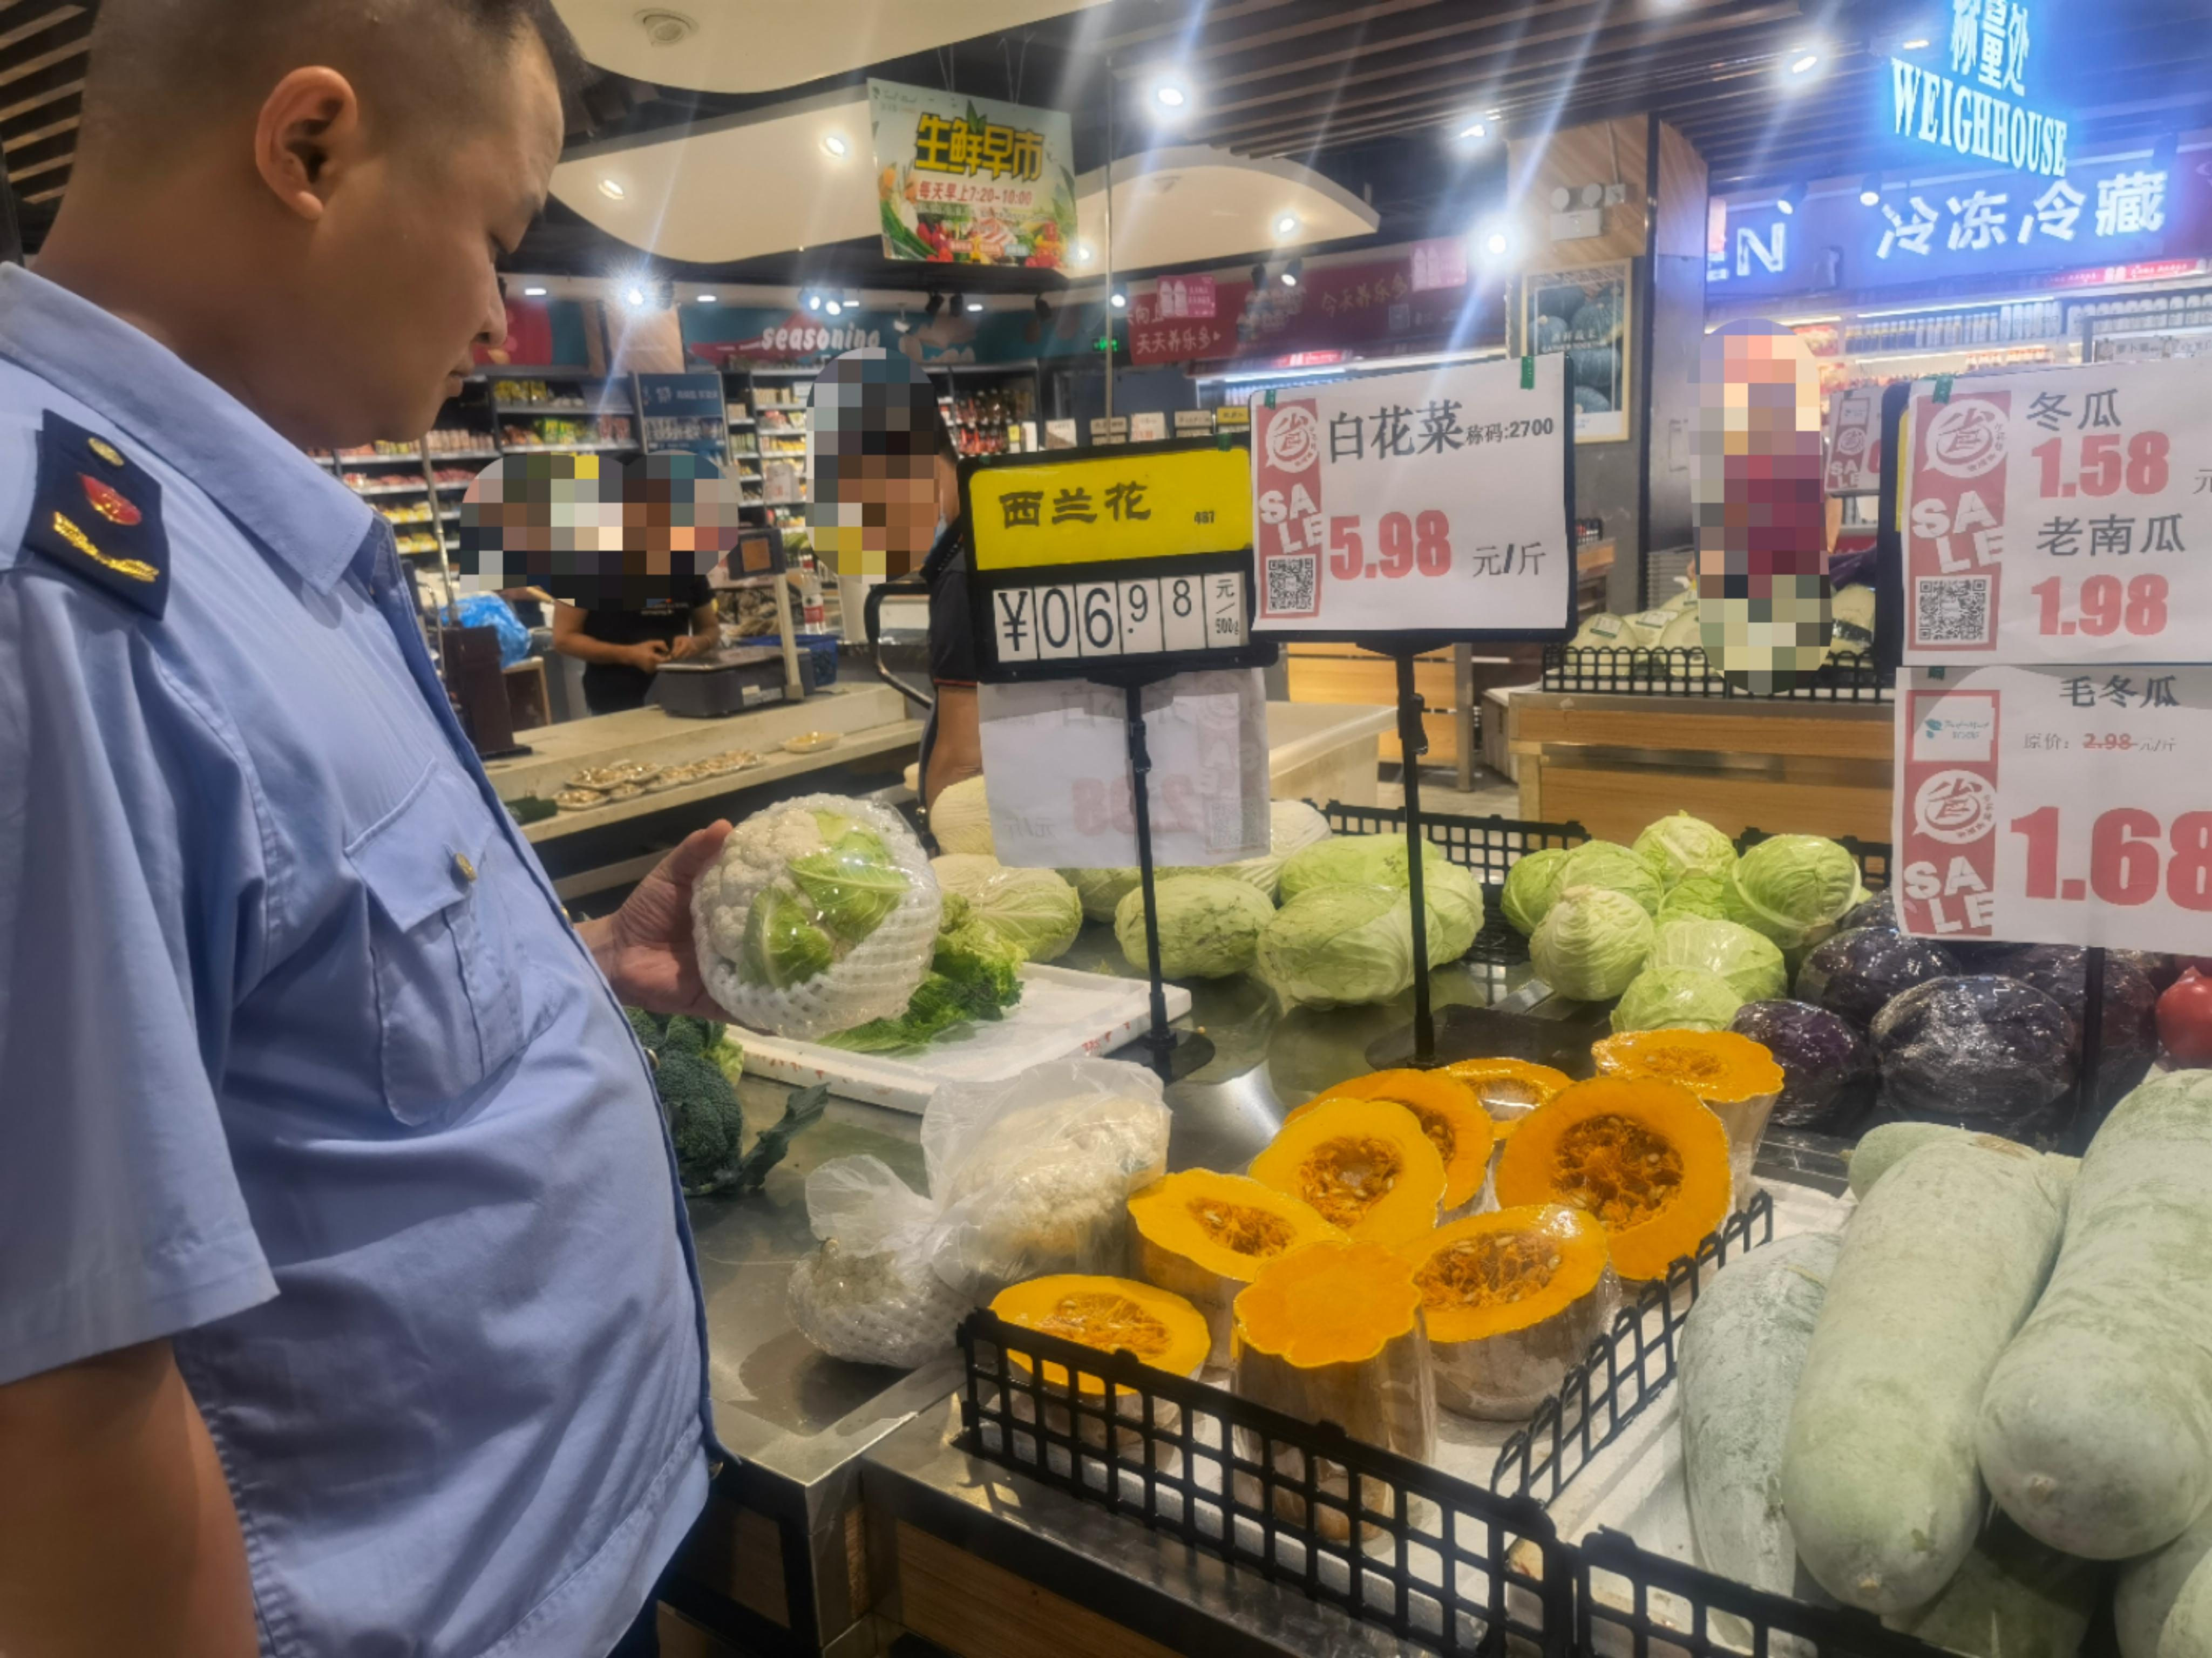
98,513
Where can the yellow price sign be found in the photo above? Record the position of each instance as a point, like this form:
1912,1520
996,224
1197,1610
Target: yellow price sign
1101,509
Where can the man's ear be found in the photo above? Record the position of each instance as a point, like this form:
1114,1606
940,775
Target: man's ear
309,133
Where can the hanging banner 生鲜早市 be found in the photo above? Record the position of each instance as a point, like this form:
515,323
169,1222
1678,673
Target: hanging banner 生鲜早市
2064,805
1434,502
2058,515
965,181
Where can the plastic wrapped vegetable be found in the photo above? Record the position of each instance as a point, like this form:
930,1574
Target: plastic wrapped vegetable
2129,1036
1676,999
1531,886
1337,946
1033,909
1348,860
1614,867
973,974
1877,909
960,818
1858,974
1747,960
1979,1052
1594,941
1452,902
820,913
1828,1068
1680,845
1100,890
869,1294
1210,925
1793,888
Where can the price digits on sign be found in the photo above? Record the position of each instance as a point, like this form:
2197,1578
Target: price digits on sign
1404,543
2103,606
2127,864
2104,467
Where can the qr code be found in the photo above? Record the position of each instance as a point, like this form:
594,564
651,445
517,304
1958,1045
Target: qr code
1951,610
1290,584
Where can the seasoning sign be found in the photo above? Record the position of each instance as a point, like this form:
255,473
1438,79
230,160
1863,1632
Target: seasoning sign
969,180
2059,515
2061,806
1427,502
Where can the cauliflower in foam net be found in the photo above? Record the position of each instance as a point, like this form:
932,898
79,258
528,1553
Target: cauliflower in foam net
820,913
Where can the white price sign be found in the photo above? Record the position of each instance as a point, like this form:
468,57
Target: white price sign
2059,515
2060,806
1057,754
1431,501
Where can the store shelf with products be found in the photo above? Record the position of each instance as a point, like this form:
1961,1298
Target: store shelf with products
990,408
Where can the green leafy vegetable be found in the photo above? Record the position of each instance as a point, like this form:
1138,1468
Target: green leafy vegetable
782,946
1210,925
1792,888
1676,999
1531,886
1681,846
1749,961
851,884
1614,867
1704,896
1340,945
1593,942
973,975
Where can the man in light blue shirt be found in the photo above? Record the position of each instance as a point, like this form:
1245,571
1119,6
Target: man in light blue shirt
346,1301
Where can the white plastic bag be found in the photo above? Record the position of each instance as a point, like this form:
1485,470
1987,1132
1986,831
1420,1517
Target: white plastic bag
1029,1177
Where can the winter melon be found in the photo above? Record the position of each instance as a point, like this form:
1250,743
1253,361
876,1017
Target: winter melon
2188,1632
2096,1432
1939,1269
1742,1349
2149,1587
2014,1597
1884,1145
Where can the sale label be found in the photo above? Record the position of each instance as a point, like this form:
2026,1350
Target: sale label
1432,502
2059,515
1854,444
2061,806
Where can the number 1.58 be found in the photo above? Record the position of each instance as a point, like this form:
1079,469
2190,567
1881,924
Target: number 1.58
1404,543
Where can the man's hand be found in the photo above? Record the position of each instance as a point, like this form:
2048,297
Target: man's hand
647,656
645,948
693,644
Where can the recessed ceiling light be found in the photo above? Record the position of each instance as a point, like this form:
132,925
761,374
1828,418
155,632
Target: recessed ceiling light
835,307
1286,225
974,305
533,293
706,299
1475,129
1870,191
813,301
612,189
1918,44
634,297
1786,201
1169,94
1118,300
1805,63
835,144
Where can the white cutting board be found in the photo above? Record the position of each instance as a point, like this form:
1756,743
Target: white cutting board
1063,1013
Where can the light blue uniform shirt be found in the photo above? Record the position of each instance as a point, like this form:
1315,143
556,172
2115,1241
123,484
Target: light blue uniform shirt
301,1066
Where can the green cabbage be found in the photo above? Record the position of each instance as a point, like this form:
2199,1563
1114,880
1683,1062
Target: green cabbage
1747,960
1530,886
1452,908
1355,860
1340,946
1681,846
1032,909
1676,999
782,945
851,884
1210,924
1793,888
1704,896
1100,890
1607,863
960,818
1591,943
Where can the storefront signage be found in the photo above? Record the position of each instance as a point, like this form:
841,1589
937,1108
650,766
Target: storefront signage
1368,303
1439,264
2123,209
750,335
1176,298
1430,501
2059,515
966,180
1972,111
2056,804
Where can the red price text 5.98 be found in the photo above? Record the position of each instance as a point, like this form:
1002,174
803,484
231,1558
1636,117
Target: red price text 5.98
1404,543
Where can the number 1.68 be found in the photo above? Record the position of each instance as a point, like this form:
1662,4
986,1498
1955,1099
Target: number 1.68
1404,543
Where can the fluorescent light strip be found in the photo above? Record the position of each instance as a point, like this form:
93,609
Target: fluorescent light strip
1365,366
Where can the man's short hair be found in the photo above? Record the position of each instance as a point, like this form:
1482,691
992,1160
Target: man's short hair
158,67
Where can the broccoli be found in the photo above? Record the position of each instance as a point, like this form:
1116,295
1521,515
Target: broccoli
704,1118
686,1035
648,1026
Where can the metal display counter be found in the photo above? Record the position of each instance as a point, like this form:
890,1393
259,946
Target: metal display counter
852,1517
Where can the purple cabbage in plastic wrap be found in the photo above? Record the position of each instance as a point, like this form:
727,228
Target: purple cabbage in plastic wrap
2131,1030
1879,911
1828,1068
1985,1052
1859,973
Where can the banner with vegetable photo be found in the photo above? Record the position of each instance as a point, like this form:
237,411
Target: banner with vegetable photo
969,180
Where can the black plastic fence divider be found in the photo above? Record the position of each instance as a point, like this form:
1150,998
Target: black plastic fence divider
1612,1569
1488,846
1682,671
1627,1367
1446,1565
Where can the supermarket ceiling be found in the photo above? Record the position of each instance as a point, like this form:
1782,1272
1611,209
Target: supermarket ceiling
1367,94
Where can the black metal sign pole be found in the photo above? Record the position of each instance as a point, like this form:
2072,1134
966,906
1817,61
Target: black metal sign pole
2093,1050
1160,1039
1413,742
